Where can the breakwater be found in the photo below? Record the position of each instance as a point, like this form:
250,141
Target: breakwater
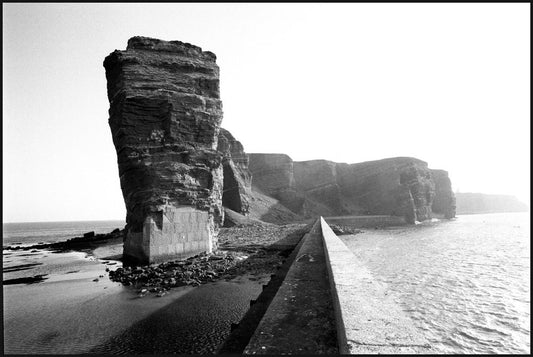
366,221
328,294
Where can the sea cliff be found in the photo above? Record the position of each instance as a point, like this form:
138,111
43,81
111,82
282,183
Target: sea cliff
401,186
180,171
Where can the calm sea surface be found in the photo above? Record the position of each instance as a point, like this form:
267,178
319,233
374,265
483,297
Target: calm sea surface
465,283
49,232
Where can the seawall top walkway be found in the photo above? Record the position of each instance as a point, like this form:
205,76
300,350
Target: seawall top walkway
367,320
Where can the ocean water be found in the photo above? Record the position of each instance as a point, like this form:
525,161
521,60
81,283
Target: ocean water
465,283
29,233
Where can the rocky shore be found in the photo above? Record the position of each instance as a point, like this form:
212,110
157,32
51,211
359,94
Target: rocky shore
173,294
255,251
88,242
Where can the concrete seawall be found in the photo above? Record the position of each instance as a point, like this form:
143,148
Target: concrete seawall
366,319
366,221
300,317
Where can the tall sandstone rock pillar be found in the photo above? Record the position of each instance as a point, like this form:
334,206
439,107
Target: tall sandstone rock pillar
165,114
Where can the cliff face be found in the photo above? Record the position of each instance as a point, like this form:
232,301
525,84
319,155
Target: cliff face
273,175
444,202
316,181
397,186
468,203
237,177
165,112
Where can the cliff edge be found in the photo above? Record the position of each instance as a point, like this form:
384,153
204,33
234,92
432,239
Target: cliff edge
401,186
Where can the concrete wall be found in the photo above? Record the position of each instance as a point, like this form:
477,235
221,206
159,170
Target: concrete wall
366,221
183,232
368,319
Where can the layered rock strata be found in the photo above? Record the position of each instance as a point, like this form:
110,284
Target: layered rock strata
165,114
237,178
273,175
397,186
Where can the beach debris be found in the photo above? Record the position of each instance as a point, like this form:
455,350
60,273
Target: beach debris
142,292
96,279
193,272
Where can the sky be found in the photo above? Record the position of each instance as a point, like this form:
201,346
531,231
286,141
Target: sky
446,83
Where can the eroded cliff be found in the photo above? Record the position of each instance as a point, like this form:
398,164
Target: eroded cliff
237,177
178,168
444,202
397,186
165,113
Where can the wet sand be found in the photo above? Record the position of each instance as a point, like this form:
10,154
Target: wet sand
78,309
71,313
68,312
197,322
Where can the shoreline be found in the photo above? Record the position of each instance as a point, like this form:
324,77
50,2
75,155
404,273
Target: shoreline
449,271
76,297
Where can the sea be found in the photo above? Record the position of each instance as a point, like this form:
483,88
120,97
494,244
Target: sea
30,233
465,282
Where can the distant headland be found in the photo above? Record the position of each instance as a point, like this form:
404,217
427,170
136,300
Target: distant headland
471,203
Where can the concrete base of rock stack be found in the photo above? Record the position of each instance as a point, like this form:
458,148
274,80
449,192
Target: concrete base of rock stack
183,232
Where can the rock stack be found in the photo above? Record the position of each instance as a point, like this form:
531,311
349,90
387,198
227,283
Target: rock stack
165,114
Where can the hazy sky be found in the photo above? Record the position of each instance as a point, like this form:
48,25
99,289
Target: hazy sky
446,83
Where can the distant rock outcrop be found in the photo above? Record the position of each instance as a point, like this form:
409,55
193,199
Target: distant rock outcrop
165,113
397,186
469,203
444,201
237,177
